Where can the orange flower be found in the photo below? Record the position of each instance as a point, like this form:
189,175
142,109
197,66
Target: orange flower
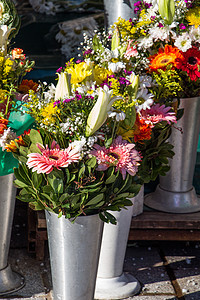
164,57
11,147
27,85
3,125
142,131
17,53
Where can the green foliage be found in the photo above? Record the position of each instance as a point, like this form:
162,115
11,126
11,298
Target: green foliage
156,153
76,190
169,84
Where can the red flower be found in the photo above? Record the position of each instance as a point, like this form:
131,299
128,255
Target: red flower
3,125
142,131
190,63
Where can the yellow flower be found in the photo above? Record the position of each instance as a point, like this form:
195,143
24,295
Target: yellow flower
8,65
115,86
79,72
126,28
126,134
100,74
49,114
3,95
193,16
145,21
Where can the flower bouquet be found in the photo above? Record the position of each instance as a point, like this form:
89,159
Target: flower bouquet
165,39
99,135
165,43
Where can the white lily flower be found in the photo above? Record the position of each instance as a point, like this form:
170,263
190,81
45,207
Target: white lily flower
63,87
4,35
99,112
167,10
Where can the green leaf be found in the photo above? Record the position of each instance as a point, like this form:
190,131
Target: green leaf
64,197
37,179
56,183
108,143
46,196
81,171
20,184
22,159
110,218
91,162
111,179
47,189
35,137
122,196
34,149
60,214
95,200
23,151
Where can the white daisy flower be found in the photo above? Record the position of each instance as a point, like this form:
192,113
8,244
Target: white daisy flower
145,99
116,67
183,42
145,43
195,34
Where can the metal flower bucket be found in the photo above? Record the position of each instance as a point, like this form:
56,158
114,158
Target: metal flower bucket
9,281
118,8
175,193
74,253
112,282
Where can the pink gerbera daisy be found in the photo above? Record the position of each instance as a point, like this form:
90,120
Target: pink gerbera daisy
157,114
48,159
120,154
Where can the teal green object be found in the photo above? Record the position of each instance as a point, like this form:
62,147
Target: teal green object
19,122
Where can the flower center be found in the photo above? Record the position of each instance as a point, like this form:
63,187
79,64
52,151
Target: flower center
53,157
165,61
114,155
192,60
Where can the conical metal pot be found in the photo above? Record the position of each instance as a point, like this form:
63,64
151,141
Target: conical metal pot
175,193
74,254
112,282
9,281
118,8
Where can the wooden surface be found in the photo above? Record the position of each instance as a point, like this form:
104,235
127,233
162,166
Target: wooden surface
154,225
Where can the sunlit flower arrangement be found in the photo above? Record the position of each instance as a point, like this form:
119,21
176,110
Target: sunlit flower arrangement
165,39
99,135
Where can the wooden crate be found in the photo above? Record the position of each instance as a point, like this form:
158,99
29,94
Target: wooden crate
37,233
154,225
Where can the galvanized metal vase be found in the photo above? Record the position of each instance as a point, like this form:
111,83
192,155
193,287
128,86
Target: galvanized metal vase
117,8
112,282
74,253
175,193
9,281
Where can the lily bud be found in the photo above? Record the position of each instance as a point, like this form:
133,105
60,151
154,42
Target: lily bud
116,40
135,80
99,112
63,87
167,10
